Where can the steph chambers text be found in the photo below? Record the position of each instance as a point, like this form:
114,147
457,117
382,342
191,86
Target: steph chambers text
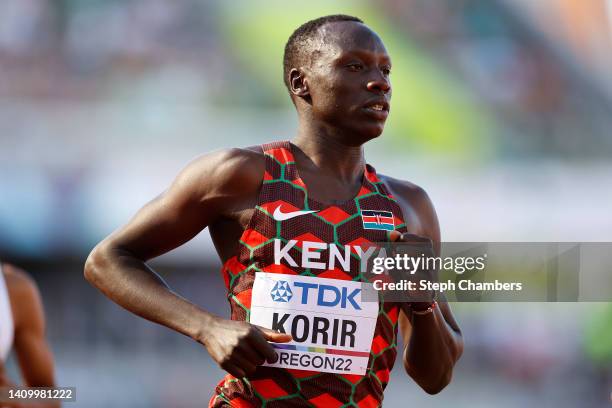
464,284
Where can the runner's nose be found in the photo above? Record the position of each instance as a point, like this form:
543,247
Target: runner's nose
379,85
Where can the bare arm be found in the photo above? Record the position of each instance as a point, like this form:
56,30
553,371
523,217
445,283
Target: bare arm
198,196
33,351
432,342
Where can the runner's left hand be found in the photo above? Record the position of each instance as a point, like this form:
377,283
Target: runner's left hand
418,247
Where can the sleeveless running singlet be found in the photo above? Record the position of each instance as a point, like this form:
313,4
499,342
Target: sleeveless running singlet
6,319
369,217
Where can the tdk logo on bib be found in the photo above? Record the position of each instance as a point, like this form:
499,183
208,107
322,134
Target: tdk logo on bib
323,295
281,292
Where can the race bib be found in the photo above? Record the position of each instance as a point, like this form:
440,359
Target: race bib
332,328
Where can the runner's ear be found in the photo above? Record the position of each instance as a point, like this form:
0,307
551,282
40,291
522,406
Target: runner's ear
297,83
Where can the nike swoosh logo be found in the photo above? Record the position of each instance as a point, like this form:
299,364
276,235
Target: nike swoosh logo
281,216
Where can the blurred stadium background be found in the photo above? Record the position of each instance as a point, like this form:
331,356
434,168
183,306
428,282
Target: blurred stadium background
501,111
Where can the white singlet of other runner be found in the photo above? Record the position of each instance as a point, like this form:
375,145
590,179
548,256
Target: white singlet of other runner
6,319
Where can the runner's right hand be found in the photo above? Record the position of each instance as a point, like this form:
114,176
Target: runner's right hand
239,347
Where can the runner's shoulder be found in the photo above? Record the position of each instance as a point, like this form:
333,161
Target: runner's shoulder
226,171
19,283
405,190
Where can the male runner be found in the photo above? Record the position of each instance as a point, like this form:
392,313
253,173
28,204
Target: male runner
292,215
22,325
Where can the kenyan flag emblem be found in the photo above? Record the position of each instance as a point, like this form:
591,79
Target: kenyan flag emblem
377,220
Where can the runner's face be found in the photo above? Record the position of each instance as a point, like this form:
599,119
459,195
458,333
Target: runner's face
348,80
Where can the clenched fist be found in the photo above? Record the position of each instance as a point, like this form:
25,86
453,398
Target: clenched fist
239,347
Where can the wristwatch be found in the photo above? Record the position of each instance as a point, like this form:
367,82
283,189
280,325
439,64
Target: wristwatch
429,309
422,308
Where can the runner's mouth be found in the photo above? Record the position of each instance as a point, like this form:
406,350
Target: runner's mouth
378,109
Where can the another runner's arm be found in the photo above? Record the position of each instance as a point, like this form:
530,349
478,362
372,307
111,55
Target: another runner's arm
433,342
31,347
200,194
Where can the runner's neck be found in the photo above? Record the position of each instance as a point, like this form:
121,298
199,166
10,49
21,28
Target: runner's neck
326,155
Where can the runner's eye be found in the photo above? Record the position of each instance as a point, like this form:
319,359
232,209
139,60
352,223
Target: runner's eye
355,66
386,71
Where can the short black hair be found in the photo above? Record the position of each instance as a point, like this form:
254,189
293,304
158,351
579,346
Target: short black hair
298,41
